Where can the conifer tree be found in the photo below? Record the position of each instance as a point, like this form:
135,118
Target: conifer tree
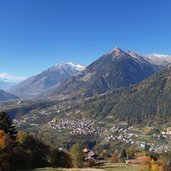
6,125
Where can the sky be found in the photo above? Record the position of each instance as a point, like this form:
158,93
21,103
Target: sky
37,34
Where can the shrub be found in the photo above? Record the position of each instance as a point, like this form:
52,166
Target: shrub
90,163
114,158
59,159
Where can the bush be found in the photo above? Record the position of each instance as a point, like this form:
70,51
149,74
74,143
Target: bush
59,159
90,163
21,159
114,158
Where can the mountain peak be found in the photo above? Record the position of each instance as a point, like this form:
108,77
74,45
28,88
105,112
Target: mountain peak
47,79
134,54
117,52
76,66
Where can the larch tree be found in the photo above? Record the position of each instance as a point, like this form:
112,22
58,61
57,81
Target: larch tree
77,155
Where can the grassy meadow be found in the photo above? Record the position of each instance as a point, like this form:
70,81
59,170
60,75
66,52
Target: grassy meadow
106,167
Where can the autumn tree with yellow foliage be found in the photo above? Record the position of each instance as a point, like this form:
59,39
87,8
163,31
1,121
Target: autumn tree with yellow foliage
2,139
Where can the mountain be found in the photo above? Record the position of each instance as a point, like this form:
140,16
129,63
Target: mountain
37,84
147,102
158,59
4,96
5,85
114,70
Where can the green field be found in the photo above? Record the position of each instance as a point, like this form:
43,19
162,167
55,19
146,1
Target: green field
106,167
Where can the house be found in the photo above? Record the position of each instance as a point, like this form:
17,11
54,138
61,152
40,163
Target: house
85,150
89,154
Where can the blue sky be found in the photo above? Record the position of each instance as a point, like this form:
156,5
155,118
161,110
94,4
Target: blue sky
36,34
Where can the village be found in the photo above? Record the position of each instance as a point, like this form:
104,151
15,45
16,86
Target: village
129,135
116,133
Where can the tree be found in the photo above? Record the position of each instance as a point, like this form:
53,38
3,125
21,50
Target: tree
104,154
122,155
2,139
21,159
77,155
60,159
7,141
163,162
5,151
22,137
19,151
7,126
5,164
38,149
131,151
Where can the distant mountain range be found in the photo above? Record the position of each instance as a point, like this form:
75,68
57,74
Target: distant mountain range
4,96
158,59
5,85
114,70
37,84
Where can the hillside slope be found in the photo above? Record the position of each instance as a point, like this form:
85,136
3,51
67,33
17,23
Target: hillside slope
148,101
4,96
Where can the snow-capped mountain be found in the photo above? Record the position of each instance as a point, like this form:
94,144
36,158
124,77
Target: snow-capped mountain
72,65
158,59
160,55
69,67
53,76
